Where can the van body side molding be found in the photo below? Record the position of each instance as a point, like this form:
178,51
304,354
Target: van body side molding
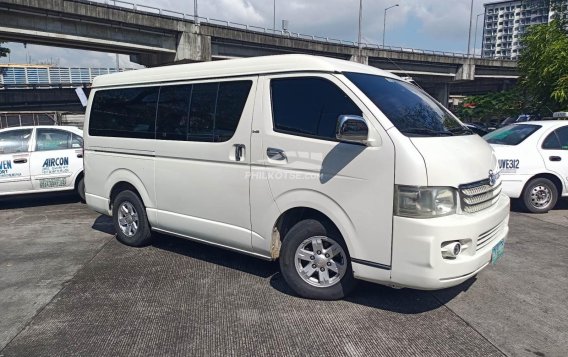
371,264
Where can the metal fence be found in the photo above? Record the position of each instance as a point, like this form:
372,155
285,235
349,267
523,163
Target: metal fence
14,119
26,76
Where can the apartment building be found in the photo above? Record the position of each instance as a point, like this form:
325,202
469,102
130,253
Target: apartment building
506,21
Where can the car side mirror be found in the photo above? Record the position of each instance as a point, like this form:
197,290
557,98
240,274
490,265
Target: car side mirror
352,129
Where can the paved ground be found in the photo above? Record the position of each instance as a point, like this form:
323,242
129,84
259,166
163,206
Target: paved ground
68,288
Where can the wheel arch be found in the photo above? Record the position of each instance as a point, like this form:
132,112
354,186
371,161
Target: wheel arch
122,179
550,176
303,204
78,178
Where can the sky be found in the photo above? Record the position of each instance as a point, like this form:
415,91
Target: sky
423,24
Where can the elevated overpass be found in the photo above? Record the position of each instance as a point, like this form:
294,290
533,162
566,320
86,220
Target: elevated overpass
155,37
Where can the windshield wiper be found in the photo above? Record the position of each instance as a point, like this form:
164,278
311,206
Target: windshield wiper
461,130
426,131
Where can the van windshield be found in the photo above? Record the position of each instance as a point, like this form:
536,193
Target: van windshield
411,110
511,135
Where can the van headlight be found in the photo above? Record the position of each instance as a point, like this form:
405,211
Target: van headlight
424,202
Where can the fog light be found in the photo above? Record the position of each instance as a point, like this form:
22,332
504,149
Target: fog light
451,250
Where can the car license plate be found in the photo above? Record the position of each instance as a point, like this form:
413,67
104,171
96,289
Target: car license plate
497,251
52,182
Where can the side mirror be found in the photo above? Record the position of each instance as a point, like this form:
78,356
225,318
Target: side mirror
352,129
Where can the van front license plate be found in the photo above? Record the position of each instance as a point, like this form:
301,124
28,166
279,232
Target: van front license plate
497,251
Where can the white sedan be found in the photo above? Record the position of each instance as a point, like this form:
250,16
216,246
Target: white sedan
41,159
533,162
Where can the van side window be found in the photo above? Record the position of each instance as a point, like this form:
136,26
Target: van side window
126,113
230,105
207,112
202,112
557,140
309,106
173,112
52,139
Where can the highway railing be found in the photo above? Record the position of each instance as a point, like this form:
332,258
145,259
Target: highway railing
267,30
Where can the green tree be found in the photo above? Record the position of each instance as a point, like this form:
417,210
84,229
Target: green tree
543,65
4,51
494,105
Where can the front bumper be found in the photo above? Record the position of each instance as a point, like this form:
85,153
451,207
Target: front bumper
417,261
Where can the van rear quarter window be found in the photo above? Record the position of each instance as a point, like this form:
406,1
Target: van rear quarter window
207,112
309,106
126,112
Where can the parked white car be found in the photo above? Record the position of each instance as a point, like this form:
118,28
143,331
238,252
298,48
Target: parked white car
533,162
41,159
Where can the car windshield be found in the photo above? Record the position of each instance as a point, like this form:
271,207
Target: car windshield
411,110
511,135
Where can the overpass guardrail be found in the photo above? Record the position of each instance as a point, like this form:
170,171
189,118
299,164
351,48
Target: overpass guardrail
267,30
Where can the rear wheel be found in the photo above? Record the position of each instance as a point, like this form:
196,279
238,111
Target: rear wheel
315,263
540,195
130,220
81,188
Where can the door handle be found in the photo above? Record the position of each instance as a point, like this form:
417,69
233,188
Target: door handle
276,154
79,156
20,161
555,158
239,152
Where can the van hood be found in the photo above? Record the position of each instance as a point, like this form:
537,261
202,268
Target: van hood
456,160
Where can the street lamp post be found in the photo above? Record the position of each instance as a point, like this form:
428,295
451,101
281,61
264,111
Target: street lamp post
469,34
385,23
475,38
360,20
195,16
274,17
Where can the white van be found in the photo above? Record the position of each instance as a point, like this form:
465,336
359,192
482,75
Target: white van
41,159
337,169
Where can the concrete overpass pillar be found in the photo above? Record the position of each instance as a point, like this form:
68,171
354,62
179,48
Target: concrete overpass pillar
442,94
360,59
466,72
191,46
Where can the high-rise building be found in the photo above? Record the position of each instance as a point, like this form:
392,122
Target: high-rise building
505,22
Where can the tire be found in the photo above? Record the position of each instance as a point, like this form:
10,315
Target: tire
299,253
81,189
539,196
130,220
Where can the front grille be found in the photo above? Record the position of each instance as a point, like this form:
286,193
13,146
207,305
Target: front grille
480,195
487,237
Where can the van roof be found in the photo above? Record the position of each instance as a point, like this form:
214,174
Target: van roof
236,67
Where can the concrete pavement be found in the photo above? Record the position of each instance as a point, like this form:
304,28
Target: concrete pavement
68,288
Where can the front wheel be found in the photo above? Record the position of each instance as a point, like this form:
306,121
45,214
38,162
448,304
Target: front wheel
130,220
315,263
540,195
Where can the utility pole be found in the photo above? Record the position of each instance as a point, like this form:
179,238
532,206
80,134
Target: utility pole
274,18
